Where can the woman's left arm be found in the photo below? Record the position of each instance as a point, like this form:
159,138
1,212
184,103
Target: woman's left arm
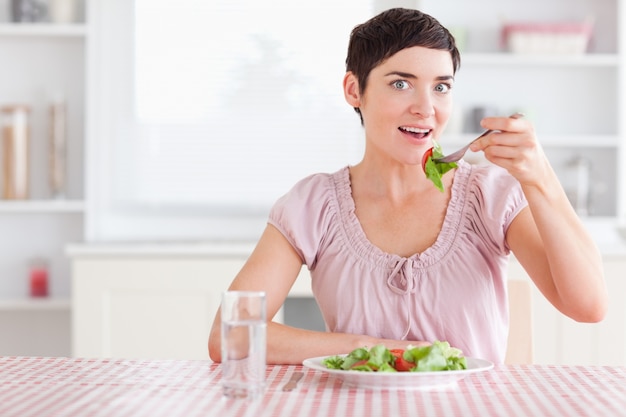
548,238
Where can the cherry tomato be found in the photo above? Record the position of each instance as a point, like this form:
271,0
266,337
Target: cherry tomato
401,365
427,155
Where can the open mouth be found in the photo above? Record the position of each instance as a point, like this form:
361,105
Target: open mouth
415,131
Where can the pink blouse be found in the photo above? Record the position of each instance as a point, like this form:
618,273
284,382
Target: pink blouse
453,291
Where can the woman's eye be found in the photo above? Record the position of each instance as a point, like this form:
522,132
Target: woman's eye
400,85
443,88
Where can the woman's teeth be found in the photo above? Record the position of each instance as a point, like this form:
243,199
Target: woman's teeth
416,131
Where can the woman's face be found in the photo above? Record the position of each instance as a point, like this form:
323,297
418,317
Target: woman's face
407,102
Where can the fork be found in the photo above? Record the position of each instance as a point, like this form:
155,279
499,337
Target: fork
293,381
455,156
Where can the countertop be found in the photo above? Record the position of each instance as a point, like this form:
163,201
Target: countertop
608,232
214,249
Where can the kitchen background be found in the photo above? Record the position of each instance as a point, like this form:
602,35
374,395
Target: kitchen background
163,180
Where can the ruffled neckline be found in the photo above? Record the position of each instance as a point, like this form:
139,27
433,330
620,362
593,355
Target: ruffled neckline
369,252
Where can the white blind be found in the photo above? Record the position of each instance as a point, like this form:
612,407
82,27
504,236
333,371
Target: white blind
235,100
205,112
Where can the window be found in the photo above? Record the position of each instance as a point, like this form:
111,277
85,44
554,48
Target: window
205,112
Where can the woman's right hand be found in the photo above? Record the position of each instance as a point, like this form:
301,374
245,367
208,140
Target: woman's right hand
514,146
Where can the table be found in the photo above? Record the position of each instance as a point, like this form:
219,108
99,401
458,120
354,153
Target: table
80,387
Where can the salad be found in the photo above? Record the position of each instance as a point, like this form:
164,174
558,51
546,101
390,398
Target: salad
439,356
435,170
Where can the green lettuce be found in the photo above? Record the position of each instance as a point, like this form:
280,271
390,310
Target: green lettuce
435,170
376,359
439,356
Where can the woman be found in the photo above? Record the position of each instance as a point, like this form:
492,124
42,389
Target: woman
395,261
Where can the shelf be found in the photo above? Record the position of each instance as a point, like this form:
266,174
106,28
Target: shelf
43,29
508,59
42,206
35,304
580,141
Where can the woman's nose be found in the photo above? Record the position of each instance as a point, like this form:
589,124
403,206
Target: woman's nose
423,105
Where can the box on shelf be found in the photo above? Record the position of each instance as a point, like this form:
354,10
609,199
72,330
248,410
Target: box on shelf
566,38
15,124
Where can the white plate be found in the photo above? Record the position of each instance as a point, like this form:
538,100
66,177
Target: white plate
401,380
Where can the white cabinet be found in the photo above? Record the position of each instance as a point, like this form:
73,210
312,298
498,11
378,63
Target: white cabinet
560,340
159,302
154,301
610,347
146,308
40,62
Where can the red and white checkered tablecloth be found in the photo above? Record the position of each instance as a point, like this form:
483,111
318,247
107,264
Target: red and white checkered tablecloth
74,387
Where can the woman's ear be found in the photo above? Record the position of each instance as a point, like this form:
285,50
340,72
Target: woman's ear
351,90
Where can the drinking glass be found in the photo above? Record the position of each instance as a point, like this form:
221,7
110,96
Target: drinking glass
244,329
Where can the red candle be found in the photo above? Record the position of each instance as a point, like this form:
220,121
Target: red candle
39,282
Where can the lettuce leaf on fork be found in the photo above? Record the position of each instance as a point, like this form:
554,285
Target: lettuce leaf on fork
435,170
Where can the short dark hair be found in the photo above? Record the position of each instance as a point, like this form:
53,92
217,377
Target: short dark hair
391,31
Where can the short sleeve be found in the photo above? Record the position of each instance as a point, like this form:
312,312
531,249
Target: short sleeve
304,214
495,198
